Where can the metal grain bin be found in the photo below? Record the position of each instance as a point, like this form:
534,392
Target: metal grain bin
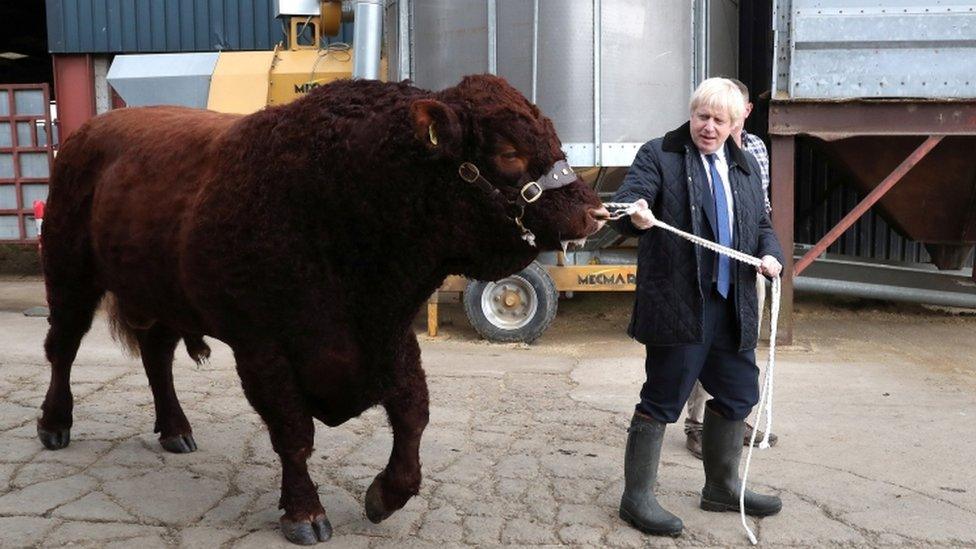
628,64
611,74
841,49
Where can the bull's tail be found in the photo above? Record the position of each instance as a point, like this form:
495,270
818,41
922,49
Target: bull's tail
123,328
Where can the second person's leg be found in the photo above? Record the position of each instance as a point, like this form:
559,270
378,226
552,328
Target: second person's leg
694,415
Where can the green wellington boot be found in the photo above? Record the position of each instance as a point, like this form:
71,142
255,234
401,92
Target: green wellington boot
721,452
638,506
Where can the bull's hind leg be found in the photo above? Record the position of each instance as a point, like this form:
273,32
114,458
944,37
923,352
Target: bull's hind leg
72,306
271,388
156,345
407,407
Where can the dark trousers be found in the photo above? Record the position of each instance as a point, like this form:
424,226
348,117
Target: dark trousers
730,376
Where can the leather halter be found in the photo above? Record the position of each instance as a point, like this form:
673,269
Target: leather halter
559,175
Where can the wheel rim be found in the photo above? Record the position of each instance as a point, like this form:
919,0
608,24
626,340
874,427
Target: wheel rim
509,303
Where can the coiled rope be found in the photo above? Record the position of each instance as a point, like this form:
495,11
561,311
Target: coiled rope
623,209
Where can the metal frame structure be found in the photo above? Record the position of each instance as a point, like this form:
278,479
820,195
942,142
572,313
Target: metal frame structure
933,119
13,118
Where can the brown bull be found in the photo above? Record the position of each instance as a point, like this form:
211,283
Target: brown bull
306,237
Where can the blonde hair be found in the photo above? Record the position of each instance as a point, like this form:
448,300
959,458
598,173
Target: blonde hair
719,94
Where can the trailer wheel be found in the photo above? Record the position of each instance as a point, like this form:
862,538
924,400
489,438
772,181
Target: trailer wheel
517,308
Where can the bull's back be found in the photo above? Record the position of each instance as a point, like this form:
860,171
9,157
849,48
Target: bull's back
142,169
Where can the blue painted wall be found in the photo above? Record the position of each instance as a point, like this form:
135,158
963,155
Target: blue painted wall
147,26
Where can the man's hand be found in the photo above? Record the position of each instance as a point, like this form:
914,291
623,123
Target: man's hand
770,266
643,219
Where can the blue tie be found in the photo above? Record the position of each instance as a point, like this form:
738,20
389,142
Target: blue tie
724,238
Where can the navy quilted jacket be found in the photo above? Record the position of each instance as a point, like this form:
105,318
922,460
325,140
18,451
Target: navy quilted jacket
671,271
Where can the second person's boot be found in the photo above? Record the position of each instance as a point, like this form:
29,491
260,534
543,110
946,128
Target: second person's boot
638,506
721,452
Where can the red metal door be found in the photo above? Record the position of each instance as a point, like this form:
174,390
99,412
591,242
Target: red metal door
26,155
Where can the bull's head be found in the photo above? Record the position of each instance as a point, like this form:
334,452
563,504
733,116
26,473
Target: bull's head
505,148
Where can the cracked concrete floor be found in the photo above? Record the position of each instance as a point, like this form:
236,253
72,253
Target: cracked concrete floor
875,408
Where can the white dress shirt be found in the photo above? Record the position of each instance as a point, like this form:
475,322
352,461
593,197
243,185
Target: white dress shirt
723,172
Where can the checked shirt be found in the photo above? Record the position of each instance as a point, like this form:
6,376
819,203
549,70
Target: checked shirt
754,145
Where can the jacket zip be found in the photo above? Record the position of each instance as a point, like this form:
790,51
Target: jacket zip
696,229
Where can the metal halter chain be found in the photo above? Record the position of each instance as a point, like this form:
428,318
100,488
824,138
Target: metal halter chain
559,175
621,209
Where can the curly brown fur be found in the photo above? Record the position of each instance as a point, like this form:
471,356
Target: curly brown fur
306,237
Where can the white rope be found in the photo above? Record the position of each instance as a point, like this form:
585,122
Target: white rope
619,210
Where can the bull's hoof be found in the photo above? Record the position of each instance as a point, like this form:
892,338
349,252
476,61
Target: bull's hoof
376,512
307,532
179,444
53,440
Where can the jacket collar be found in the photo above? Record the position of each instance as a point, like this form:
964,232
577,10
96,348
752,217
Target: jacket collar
677,140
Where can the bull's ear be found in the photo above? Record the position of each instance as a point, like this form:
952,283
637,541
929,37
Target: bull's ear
436,126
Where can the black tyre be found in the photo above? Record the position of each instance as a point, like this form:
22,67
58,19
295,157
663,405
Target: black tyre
516,308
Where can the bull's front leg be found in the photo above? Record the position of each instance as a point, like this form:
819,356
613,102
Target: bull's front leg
407,407
270,386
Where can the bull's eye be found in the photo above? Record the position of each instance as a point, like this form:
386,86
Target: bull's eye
509,162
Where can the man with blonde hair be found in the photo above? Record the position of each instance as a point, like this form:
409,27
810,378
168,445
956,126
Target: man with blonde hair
696,402
695,311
